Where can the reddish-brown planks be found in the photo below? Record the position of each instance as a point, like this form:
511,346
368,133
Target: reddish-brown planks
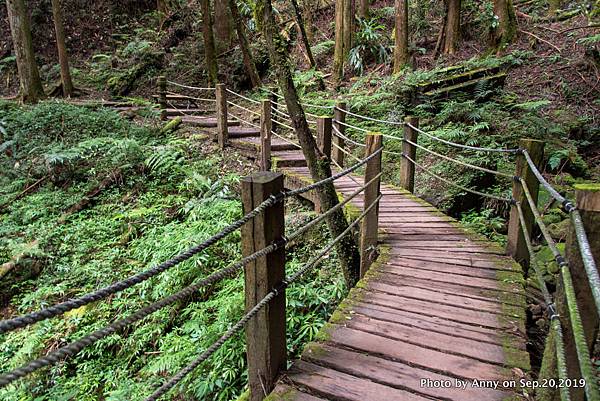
443,305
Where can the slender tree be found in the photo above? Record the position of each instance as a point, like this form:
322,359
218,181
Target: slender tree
244,46
209,42
30,83
401,55
303,36
61,45
344,17
363,11
506,31
222,25
318,164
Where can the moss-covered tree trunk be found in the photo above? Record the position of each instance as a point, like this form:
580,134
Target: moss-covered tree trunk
318,164
20,26
210,55
305,42
244,45
401,55
506,29
222,25
344,17
61,45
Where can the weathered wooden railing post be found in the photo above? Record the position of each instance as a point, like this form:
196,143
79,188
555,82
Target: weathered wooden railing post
265,333
370,223
516,246
265,135
324,135
162,96
339,115
273,99
407,168
588,203
222,128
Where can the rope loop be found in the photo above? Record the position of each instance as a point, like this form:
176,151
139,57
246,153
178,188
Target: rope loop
280,287
552,313
276,198
568,206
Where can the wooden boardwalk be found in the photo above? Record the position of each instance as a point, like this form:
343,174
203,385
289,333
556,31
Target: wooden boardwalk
441,308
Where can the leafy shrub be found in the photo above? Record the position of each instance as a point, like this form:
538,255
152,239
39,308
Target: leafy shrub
369,38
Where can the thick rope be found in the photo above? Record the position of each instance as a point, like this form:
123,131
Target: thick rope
352,126
59,309
189,86
459,145
286,139
432,174
456,161
243,108
583,355
345,152
76,346
585,249
242,96
344,137
243,121
401,123
246,318
187,97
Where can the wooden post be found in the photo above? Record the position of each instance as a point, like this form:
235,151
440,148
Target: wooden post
407,168
588,203
273,98
324,135
222,129
265,332
516,246
265,135
370,223
339,115
162,96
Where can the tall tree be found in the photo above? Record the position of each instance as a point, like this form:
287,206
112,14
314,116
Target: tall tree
450,31
506,31
244,45
401,55
363,10
210,54
61,45
344,17
318,164
222,25
303,35
20,26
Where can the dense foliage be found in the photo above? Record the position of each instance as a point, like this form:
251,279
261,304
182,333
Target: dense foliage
166,198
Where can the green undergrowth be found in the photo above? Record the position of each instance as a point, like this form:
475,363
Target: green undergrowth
164,196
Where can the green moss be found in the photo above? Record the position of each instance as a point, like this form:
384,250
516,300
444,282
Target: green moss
588,186
245,396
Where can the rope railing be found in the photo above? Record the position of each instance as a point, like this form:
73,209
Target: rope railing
345,137
241,120
451,183
243,97
282,124
347,153
286,139
243,108
460,145
189,86
582,240
200,99
400,123
261,304
345,124
583,355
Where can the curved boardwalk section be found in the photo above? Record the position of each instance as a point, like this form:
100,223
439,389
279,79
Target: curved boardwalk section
440,316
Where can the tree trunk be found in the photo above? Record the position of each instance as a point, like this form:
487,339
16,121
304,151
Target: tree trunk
63,57
401,56
161,7
452,26
348,28
363,11
209,42
244,46
29,76
222,25
506,30
318,164
339,50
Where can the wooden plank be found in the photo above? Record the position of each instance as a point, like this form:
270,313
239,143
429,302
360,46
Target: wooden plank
415,355
479,318
483,263
335,385
396,374
486,352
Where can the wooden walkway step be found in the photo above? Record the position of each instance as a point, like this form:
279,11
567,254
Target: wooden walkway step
252,145
441,305
293,158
